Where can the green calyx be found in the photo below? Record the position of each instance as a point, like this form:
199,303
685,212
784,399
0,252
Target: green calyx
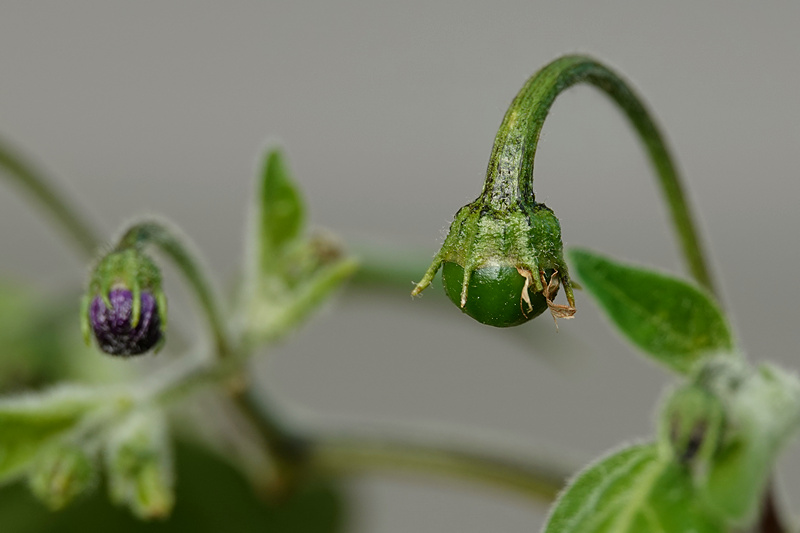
127,268
503,265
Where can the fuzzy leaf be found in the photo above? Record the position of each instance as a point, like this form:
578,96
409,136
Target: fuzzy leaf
635,490
29,422
289,273
671,320
281,213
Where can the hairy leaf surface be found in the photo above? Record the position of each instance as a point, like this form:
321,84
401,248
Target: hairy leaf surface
635,490
671,320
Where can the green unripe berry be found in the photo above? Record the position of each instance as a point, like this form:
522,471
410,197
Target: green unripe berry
503,265
505,246
496,295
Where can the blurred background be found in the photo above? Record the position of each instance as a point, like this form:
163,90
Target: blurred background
387,111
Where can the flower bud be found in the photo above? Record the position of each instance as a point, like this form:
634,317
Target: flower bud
692,425
139,466
125,308
503,265
61,474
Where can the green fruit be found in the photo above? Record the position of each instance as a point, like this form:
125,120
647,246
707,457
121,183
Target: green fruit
494,295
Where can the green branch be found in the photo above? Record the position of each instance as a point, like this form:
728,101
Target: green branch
510,171
14,166
313,452
541,480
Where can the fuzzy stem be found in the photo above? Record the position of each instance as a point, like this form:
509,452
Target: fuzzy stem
158,234
39,187
352,454
509,177
539,480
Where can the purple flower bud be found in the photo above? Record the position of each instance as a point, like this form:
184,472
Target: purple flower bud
113,326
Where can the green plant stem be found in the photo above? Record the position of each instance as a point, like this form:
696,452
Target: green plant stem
288,314
229,364
44,192
389,267
510,171
167,240
357,455
353,454
293,454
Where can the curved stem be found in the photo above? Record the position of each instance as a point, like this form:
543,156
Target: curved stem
348,456
67,217
159,234
353,454
229,366
389,268
510,172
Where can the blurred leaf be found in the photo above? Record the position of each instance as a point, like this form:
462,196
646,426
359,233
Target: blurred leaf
29,357
667,318
281,213
31,421
211,497
290,273
41,342
635,490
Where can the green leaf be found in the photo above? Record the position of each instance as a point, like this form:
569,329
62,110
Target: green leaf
281,213
635,490
211,497
29,422
288,272
669,319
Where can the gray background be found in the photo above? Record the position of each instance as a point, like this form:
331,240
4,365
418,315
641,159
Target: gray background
388,112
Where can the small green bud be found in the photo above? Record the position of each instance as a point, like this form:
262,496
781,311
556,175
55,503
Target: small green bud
503,265
139,465
125,307
692,424
764,411
61,473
